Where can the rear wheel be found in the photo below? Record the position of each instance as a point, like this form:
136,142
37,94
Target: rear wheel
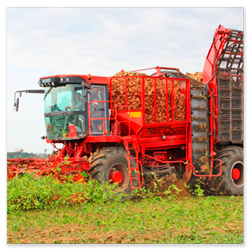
231,182
110,165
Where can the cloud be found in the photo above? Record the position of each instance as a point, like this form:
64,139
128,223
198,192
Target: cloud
114,34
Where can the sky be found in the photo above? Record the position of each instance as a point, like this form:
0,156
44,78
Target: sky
98,41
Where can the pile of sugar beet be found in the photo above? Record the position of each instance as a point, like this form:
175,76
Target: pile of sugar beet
165,99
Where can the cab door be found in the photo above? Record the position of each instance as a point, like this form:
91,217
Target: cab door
98,110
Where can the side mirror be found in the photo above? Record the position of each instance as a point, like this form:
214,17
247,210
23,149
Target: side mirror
16,99
16,104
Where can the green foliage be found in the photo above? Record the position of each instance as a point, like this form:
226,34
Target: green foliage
94,213
198,191
23,155
66,159
27,193
84,174
156,192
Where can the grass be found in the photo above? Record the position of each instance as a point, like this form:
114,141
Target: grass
194,220
153,219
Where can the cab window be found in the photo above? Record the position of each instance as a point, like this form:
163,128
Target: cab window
98,109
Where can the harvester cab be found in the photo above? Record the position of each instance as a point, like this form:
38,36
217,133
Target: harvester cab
69,102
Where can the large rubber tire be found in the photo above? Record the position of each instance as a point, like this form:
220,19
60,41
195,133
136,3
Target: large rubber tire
228,183
108,159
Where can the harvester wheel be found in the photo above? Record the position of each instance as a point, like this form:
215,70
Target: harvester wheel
110,165
231,182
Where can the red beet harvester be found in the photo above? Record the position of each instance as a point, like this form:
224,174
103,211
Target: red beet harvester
115,142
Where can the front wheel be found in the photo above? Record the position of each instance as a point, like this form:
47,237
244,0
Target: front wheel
110,165
231,182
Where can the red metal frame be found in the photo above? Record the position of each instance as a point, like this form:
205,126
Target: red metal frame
116,125
155,142
188,105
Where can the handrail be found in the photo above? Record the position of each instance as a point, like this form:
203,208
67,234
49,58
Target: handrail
102,118
115,108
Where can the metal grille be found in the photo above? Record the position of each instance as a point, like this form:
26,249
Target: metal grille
230,102
230,89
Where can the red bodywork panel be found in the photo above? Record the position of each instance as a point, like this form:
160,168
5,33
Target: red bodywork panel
215,51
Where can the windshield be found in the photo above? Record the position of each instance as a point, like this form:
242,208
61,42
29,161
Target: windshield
66,98
64,110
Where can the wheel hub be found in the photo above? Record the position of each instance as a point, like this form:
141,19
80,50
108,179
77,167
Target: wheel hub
115,176
236,174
